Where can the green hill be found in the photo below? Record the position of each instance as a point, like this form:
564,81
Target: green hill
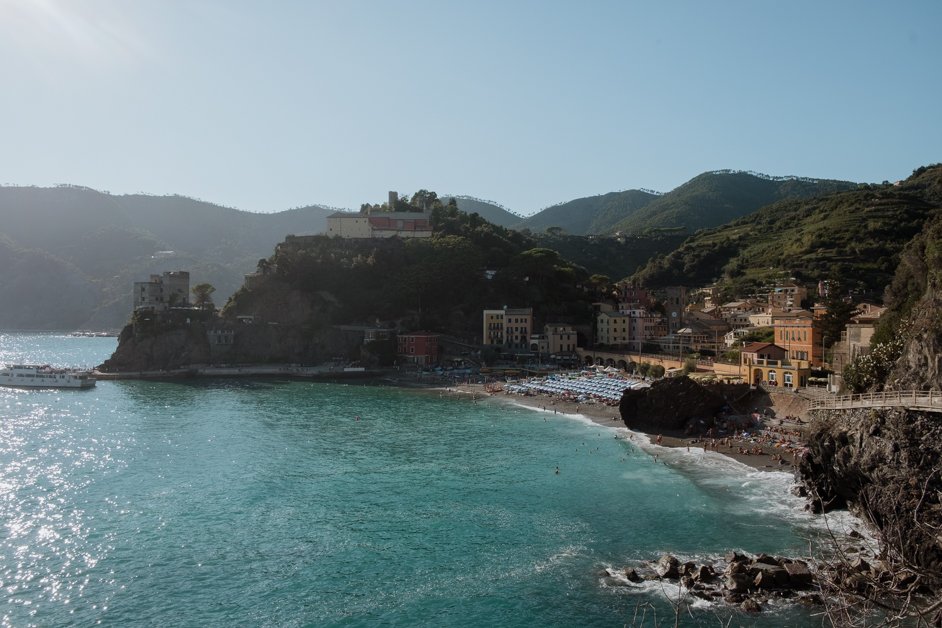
855,236
591,215
708,200
488,210
716,198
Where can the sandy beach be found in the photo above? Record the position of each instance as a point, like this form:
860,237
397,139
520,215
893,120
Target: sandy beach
763,455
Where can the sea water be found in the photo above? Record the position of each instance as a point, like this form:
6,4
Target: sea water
291,503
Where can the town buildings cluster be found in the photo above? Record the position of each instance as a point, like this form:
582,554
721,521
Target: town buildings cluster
774,337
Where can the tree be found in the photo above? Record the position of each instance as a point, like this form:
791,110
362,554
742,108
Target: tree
202,295
840,309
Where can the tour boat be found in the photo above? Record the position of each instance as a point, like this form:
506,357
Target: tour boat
36,376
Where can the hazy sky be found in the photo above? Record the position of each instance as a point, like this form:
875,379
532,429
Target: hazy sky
267,105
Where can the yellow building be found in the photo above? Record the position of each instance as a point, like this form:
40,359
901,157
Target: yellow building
508,327
769,365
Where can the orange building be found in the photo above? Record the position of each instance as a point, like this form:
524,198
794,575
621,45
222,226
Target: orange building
797,332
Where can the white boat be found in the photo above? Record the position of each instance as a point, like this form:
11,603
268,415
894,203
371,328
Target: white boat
45,376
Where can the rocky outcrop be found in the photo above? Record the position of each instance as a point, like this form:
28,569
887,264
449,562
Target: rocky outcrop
883,464
748,582
167,350
669,404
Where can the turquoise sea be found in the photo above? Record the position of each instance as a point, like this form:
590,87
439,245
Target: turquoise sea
267,503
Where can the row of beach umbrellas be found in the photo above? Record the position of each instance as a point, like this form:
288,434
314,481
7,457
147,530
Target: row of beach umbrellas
593,386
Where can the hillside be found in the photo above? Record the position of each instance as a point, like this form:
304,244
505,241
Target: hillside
105,242
488,210
716,198
855,236
312,283
591,215
708,200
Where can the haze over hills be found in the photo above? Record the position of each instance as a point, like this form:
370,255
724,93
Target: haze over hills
73,253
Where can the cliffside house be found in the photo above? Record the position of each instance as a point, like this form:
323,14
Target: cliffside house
419,347
767,363
509,328
171,289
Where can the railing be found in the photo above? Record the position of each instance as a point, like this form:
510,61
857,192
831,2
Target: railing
930,400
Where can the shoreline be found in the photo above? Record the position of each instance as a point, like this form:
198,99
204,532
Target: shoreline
609,416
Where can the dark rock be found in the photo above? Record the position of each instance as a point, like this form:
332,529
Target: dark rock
737,582
799,576
667,567
735,557
766,559
734,598
668,404
632,575
769,576
704,573
687,581
751,606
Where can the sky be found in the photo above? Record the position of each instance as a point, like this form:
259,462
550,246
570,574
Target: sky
269,105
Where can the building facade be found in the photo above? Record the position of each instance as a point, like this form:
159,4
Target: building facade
379,225
419,348
801,337
171,289
768,364
509,328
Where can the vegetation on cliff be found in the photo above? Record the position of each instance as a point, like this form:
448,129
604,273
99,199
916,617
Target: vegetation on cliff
855,236
439,283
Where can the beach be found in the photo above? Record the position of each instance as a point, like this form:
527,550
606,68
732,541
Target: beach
765,450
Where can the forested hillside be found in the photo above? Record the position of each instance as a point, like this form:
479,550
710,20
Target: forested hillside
854,236
589,215
715,198
708,200
488,210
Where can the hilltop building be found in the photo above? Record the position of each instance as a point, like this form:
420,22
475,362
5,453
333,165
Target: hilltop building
172,289
373,222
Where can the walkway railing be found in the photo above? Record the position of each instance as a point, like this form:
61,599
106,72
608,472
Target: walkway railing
929,400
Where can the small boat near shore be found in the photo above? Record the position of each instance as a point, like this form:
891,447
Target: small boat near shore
44,376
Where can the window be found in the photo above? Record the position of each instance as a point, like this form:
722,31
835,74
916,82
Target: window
788,379
771,377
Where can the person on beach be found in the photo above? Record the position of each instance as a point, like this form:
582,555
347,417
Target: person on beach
659,439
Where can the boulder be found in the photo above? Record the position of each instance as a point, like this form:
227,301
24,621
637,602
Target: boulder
632,575
737,582
704,573
667,567
799,576
751,606
769,576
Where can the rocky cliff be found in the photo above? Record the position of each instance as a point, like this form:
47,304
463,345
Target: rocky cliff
885,465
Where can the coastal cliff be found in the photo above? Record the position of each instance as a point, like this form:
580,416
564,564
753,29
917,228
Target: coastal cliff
883,464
